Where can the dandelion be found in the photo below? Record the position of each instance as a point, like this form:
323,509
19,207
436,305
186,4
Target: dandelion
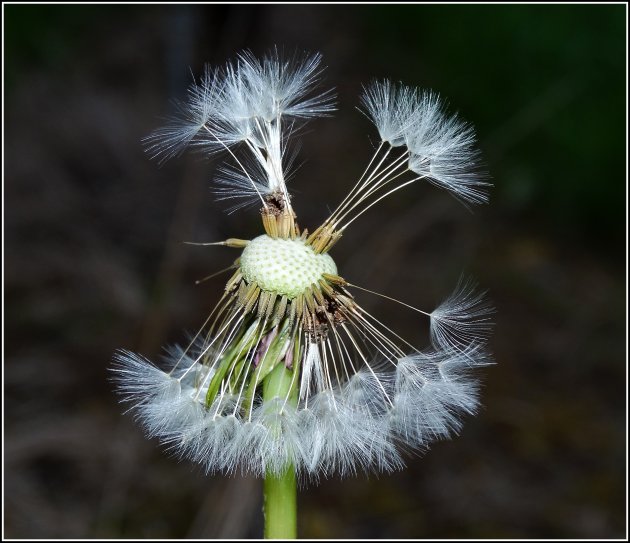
289,376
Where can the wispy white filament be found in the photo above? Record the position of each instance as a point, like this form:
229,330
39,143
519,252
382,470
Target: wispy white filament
433,390
464,318
392,109
442,150
189,119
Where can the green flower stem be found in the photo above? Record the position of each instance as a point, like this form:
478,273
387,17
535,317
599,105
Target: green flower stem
280,491
281,505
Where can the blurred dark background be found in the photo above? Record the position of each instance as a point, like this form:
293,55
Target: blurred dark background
94,261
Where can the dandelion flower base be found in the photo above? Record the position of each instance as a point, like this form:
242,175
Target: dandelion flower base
284,266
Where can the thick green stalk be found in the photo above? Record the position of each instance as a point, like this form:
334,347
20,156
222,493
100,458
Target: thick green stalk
280,490
281,505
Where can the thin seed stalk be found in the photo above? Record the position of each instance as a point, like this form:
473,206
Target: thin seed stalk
280,491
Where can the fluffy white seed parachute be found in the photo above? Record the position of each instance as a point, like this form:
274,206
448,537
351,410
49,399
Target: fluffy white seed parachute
392,109
463,319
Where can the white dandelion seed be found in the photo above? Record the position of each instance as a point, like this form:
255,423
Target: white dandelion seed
433,390
391,109
289,371
189,118
463,319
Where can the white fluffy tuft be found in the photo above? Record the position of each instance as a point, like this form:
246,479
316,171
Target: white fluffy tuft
463,319
186,125
433,391
391,108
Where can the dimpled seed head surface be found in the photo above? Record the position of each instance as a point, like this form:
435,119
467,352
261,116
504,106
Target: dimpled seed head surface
284,266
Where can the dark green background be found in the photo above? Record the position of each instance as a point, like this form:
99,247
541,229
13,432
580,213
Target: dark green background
93,261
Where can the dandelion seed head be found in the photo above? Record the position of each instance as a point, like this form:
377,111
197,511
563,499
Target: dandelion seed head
289,368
